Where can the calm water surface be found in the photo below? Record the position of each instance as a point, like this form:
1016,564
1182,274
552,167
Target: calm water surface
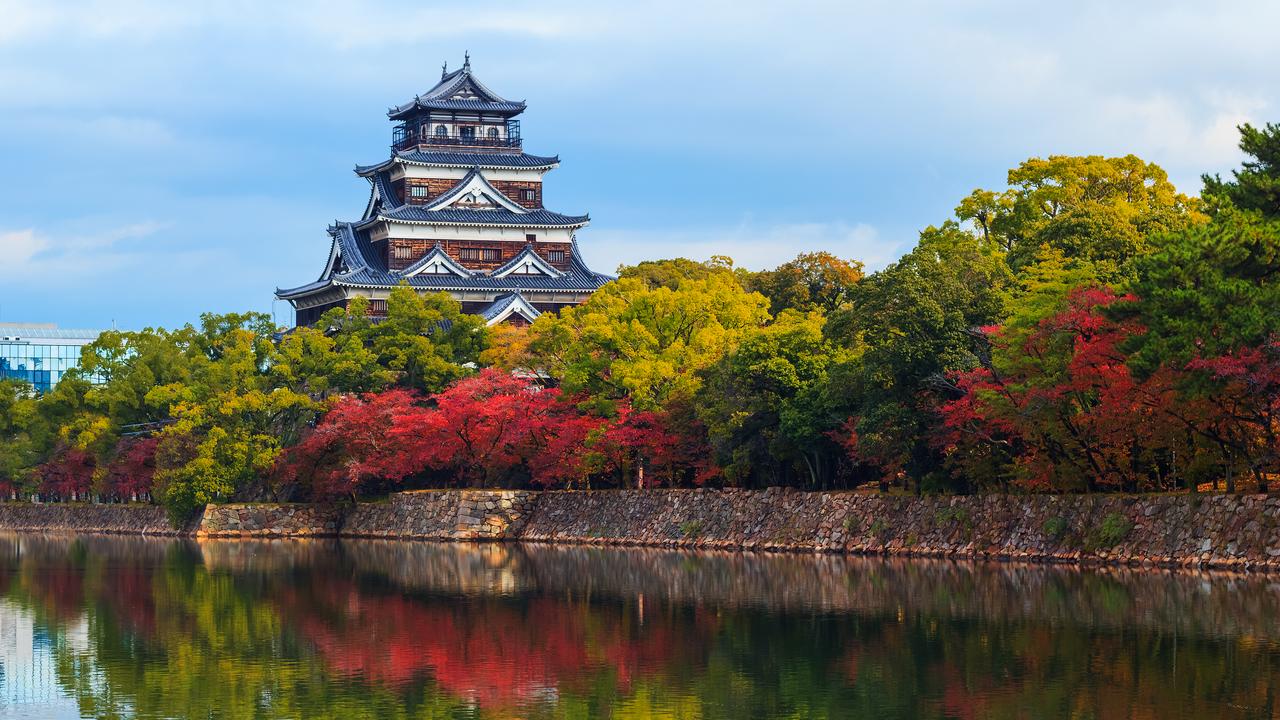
120,628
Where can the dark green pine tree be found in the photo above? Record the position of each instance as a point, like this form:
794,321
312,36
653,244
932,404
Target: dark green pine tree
1256,186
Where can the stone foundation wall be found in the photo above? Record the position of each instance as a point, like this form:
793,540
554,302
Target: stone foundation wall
444,515
1219,531
1216,531
268,520
78,518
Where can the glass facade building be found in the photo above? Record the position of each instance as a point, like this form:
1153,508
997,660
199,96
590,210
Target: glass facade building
40,353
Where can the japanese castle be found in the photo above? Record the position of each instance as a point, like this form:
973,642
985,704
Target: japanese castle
457,207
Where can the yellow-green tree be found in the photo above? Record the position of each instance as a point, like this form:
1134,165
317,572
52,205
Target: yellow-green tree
646,343
1104,210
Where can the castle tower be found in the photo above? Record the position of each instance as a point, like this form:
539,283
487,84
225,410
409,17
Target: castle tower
457,207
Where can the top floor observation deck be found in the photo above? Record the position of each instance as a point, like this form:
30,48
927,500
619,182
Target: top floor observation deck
473,135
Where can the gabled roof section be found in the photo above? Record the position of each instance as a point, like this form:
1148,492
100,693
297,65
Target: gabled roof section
436,262
504,306
526,262
458,90
475,192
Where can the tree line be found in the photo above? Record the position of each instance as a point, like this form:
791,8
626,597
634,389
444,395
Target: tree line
1086,328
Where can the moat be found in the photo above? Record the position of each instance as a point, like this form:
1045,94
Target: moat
121,627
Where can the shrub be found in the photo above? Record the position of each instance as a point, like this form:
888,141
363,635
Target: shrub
691,528
1114,528
1054,528
953,515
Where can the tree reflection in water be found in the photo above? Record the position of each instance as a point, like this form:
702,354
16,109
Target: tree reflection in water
356,629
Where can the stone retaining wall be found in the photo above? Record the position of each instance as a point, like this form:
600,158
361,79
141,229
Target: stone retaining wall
268,520
1218,531
75,517
444,515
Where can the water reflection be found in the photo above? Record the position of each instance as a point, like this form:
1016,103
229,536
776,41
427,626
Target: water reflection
120,627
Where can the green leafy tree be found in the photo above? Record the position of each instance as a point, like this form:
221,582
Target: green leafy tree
20,434
228,421
670,273
764,403
813,281
1103,210
645,343
915,321
425,339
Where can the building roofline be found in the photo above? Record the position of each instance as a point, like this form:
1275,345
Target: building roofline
487,161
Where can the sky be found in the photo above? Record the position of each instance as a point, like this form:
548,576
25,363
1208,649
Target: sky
162,159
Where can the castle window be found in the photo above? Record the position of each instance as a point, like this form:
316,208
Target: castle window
419,191
467,133
555,256
401,252
530,195
480,254
441,131
530,238
493,133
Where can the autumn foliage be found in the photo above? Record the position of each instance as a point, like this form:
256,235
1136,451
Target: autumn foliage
1062,409
491,429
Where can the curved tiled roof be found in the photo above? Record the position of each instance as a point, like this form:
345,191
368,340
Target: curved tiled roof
460,159
384,204
391,208
365,267
441,96
492,218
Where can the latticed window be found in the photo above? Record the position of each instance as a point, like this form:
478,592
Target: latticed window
401,252
480,254
419,191
555,256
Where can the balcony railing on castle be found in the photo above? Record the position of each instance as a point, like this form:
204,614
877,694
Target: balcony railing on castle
412,140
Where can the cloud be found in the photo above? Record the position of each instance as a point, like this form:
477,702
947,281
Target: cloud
235,123
752,246
36,257
1186,134
19,247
